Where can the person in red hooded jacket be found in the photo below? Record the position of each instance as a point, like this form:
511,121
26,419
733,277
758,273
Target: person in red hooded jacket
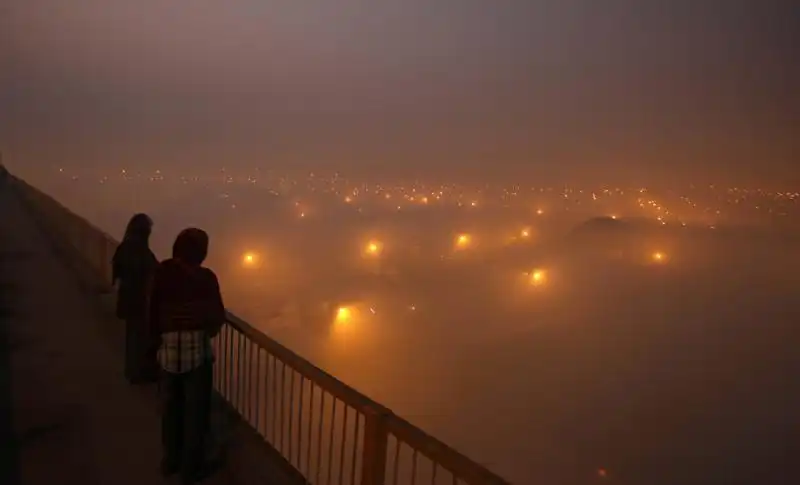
185,312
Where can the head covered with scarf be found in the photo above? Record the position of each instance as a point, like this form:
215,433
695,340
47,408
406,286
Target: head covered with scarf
138,229
191,246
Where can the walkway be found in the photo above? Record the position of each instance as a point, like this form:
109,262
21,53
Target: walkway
73,419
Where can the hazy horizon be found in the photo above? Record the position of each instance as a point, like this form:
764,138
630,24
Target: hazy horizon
627,91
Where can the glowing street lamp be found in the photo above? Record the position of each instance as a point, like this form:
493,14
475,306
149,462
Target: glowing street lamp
538,277
373,248
463,241
344,314
659,257
249,259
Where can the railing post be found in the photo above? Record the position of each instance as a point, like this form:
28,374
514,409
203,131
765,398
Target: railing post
376,443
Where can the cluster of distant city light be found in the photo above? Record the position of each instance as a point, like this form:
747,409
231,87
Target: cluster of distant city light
535,278
373,248
310,195
306,189
718,201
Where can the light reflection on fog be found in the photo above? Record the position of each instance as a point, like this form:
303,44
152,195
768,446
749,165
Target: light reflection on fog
661,373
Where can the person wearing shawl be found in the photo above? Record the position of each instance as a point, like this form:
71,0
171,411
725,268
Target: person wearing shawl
132,268
185,312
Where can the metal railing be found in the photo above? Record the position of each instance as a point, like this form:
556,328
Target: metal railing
327,431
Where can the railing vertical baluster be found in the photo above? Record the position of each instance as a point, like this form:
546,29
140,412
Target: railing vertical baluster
258,392
240,377
234,374
229,366
267,394
220,360
319,436
243,376
376,443
215,357
414,455
226,370
330,441
215,348
275,436
300,408
396,470
249,390
290,453
282,400
344,443
255,353
311,384
355,449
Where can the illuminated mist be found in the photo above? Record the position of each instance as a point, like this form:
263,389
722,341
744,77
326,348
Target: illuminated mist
624,330
563,237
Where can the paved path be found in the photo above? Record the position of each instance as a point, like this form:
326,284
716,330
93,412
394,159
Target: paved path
65,408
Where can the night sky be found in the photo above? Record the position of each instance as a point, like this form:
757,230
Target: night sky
563,89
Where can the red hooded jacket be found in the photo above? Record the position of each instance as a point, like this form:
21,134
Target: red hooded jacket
185,298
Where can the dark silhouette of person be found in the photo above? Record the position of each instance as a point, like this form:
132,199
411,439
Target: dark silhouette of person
133,265
186,311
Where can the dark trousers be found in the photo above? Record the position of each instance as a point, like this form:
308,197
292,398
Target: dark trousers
186,418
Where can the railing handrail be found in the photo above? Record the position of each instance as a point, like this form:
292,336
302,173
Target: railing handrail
324,380
433,448
426,444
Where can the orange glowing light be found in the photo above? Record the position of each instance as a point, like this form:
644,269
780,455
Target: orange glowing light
525,233
463,240
538,277
249,259
344,314
373,248
659,257
539,212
